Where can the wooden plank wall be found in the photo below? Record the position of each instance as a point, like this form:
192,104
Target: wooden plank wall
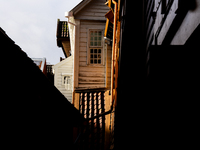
64,68
95,10
93,104
90,76
67,47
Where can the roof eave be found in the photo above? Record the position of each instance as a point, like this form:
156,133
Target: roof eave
80,6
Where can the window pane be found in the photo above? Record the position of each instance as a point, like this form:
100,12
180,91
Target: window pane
99,33
99,43
95,40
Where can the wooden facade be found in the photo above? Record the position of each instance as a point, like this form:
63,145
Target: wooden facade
92,55
143,76
93,10
148,77
90,75
63,77
89,16
63,39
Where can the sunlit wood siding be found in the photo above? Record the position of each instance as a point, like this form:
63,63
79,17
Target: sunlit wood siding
90,76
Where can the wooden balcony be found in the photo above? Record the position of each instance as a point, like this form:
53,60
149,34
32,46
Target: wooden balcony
62,32
94,105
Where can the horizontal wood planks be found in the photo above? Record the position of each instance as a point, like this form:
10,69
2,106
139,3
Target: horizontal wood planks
90,76
92,16
95,10
65,67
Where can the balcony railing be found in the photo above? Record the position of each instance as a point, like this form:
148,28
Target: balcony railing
62,32
94,132
62,29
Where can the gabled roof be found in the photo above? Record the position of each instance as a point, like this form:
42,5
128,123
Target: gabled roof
80,6
40,62
63,62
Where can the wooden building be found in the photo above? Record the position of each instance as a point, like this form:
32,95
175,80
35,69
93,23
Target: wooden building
41,63
63,77
63,37
154,73
91,54
158,39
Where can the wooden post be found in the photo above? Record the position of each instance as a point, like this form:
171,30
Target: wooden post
76,100
107,119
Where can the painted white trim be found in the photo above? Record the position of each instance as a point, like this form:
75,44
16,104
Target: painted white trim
89,47
62,62
76,53
43,60
80,6
43,63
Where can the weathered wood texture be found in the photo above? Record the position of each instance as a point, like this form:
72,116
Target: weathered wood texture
67,48
93,104
76,101
107,120
108,66
90,76
95,10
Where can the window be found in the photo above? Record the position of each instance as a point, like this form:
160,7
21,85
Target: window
95,46
67,81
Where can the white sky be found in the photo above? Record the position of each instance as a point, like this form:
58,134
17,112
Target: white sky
32,25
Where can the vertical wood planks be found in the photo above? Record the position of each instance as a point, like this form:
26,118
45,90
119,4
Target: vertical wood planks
92,104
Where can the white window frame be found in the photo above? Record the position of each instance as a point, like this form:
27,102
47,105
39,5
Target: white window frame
95,47
68,83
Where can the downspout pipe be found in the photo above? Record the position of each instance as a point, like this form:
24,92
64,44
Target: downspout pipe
113,49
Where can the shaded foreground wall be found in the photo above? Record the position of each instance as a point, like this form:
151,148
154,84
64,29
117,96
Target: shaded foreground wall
34,113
